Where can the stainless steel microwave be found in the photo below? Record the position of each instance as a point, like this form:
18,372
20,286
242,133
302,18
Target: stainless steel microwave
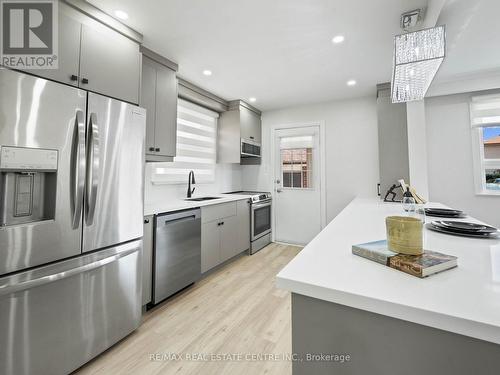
250,148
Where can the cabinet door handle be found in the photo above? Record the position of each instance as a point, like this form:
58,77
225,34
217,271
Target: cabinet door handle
151,149
146,221
252,138
157,149
222,223
85,81
73,77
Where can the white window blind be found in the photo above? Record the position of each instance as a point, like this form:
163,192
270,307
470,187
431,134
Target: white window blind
304,141
196,147
485,111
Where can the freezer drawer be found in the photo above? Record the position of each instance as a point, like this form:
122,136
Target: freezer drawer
55,318
177,255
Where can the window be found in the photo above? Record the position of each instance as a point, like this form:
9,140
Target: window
196,147
296,162
485,122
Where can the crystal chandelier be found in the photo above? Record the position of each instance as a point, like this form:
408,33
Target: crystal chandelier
417,58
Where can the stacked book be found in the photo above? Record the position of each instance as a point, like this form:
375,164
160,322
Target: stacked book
426,264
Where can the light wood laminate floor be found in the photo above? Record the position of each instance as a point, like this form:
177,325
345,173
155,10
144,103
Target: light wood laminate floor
236,310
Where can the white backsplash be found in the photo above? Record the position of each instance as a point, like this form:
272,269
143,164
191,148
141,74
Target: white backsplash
228,177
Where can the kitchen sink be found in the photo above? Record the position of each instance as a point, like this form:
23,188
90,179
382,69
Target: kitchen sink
201,199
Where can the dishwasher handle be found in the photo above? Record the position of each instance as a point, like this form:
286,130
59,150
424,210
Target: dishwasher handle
177,217
180,220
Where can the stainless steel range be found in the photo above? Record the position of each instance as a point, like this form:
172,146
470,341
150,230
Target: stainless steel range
260,218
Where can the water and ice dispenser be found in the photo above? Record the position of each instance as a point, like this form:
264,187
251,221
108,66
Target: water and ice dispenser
28,181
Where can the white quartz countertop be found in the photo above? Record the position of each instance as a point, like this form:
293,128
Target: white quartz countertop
182,204
464,300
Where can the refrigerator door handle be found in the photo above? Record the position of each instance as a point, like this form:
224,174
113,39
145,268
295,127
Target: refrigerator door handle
7,289
93,161
78,170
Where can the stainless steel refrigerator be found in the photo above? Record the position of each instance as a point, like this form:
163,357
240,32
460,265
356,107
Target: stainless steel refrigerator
71,213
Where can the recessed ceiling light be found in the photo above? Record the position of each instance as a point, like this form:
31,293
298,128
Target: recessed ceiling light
252,99
351,82
338,39
207,72
121,14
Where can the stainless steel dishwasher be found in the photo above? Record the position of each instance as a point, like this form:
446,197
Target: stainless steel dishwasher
177,255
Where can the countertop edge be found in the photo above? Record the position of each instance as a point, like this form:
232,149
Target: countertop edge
186,205
449,323
308,274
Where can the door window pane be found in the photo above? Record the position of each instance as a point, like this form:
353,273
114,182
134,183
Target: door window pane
296,167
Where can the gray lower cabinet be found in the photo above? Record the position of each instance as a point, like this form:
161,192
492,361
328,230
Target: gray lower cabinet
210,245
147,260
243,229
225,232
229,246
159,97
95,57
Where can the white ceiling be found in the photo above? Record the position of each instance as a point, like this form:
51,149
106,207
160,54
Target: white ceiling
280,51
473,38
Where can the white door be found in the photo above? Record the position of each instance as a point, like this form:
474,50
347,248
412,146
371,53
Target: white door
297,198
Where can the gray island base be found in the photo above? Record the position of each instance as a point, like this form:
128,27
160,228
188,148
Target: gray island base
360,342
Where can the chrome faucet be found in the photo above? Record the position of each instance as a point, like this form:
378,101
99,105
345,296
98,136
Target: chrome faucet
190,181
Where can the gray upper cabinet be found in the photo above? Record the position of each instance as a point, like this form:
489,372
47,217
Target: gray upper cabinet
250,123
241,122
159,97
109,63
148,101
69,48
95,57
166,112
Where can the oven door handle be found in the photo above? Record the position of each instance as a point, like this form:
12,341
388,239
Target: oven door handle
262,204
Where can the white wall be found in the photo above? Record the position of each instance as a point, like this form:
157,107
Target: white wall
450,166
351,149
228,177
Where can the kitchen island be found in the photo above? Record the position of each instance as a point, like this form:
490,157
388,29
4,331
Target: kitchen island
376,320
